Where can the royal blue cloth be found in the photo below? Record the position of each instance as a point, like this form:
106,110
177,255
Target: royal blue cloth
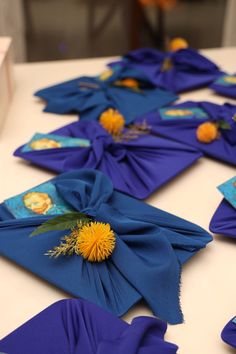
151,246
229,333
223,221
184,130
90,96
224,90
79,327
188,69
137,167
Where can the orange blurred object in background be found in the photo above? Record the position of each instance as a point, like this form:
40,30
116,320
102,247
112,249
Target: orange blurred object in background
163,4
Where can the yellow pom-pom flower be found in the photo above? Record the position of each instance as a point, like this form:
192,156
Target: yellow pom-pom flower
207,132
112,121
129,82
95,241
177,44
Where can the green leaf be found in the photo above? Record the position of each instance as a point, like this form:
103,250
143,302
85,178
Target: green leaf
61,222
224,125
234,117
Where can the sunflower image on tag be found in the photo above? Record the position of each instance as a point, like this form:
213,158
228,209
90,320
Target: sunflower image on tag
228,189
52,141
182,113
226,80
41,200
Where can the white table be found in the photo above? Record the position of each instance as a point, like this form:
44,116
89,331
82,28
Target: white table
208,281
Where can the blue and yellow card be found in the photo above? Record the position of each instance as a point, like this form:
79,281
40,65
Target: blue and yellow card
228,189
52,141
226,80
41,200
182,113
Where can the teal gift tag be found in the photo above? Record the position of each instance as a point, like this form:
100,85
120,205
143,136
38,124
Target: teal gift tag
226,80
182,113
41,200
52,141
228,189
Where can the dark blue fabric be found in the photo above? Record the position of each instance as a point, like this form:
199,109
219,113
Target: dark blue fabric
79,327
229,333
227,91
90,96
190,69
151,246
137,167
224,220
184,130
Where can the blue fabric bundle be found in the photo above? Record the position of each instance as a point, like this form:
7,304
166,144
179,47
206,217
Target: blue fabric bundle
180,123
90,96
224,219
79,327
136,167
225,85
228,333
150,244
177,71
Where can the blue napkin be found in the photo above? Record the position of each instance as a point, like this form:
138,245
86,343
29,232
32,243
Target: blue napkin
150,245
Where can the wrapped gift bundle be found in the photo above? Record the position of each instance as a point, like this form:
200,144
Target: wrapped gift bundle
137,162
77,326
79,234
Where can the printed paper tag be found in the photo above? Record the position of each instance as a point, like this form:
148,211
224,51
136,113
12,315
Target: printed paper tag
41,200
182,113
226,80
228,189
52,141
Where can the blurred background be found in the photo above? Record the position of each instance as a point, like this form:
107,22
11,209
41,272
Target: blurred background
67,29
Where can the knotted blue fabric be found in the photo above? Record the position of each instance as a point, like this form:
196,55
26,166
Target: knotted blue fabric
90,96
79,327
136,167
151,246
178,71
184,130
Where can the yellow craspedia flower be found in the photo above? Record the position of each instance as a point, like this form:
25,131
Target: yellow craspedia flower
106,74
129,82
207,132
178,43
112,121
95,241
